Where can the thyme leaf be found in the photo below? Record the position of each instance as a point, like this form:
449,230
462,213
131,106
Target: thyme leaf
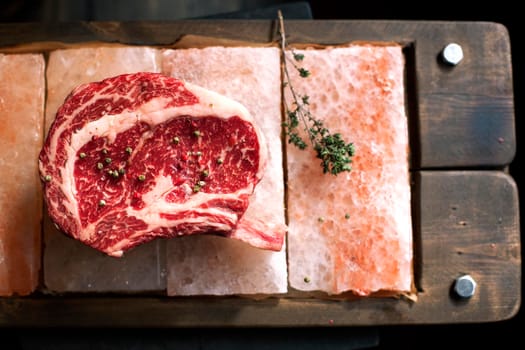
333,151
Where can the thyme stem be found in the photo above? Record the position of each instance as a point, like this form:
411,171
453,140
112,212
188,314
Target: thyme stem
335,154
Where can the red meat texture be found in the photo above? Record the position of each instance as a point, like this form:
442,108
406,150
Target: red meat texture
142,156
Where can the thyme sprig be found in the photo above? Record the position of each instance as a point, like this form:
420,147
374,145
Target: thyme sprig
333,151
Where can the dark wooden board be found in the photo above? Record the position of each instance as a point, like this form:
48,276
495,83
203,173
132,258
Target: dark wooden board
466,217
466,222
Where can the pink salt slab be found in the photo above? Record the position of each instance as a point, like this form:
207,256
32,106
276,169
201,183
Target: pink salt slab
215,265
22,90
357,91
69,265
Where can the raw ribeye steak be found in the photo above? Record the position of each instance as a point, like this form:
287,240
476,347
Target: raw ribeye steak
140,156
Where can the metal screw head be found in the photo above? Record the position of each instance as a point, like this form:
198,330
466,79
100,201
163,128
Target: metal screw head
452,54
465,286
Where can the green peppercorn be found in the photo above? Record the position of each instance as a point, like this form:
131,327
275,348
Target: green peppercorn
113,173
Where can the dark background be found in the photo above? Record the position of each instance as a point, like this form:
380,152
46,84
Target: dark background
501,335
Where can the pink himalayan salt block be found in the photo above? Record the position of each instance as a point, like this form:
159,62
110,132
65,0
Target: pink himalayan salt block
22,90
353,232
69,265
208,265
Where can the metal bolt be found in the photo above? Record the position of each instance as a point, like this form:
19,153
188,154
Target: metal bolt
465,286
452,54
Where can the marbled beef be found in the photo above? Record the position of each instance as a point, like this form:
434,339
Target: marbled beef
143,155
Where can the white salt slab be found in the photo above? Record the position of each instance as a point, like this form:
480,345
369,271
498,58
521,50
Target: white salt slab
215,265
69,265
71,67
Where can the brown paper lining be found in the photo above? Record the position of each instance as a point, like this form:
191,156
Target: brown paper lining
184,42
